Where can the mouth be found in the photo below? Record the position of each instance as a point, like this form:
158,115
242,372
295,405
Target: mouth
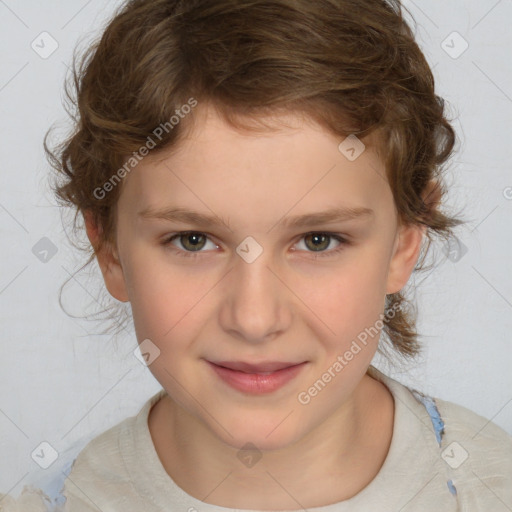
262,368
256,378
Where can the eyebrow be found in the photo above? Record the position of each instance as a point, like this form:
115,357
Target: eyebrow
340,214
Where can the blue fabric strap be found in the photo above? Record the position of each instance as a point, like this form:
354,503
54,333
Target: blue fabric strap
438,424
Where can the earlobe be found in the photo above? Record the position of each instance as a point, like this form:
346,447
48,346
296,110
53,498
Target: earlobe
108,260
406,252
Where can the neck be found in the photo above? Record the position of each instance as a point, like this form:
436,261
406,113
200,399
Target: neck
332,463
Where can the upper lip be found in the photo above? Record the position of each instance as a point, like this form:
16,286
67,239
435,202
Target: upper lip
270,366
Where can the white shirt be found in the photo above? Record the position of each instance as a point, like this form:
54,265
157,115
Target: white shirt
470,469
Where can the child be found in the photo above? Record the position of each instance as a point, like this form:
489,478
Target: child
257,179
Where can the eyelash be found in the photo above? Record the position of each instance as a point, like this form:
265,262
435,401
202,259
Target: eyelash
195,254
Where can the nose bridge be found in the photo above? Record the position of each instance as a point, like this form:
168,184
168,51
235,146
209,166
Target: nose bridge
256,301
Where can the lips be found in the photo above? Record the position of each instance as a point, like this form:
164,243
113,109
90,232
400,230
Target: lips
262,368
262,378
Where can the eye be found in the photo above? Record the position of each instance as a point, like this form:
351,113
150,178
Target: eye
191,243
318,242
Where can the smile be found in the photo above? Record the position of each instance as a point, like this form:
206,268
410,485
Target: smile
256,379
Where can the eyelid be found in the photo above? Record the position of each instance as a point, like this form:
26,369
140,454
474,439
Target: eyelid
342,238
168,238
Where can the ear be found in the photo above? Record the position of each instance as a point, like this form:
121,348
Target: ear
408,243
406,251
108,260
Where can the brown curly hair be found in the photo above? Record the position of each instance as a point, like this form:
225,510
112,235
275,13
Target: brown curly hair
351,65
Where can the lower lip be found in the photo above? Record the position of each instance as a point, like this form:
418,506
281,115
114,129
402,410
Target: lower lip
256,383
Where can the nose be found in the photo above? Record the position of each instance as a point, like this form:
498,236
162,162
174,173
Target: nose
257,304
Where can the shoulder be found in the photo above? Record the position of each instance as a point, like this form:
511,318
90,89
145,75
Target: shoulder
485,446
469,453
101,455
464,421
42,491
100,475
477,456
451,422
99,463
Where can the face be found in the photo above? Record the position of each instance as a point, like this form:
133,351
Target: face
264,284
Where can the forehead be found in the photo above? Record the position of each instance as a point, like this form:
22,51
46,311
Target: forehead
295,164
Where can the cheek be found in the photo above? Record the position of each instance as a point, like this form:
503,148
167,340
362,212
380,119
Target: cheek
349,298
163,297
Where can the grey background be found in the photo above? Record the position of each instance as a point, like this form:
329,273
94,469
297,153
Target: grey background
63,384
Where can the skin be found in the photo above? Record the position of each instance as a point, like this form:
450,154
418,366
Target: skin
287,305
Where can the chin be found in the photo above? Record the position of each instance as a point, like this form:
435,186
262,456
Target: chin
266,435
